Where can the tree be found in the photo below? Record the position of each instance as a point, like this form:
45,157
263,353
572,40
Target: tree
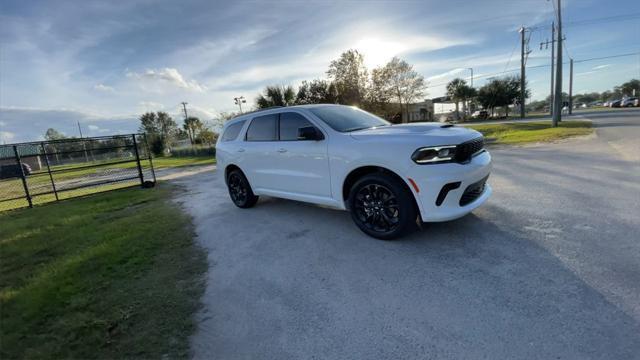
501,92
402,83
53,134
276,96
378,99
349,75
160,128
316,92
628,88
459,91
192,125
207,136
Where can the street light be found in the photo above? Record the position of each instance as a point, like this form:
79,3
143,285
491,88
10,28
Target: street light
239,101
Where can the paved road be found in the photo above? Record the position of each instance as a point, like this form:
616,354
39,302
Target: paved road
549,268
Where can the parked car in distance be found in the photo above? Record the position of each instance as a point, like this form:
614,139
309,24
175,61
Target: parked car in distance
13,170
615,103
636,102
480,114
628,102
388,176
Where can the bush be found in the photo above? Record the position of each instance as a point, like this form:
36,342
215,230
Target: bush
194,151
157,145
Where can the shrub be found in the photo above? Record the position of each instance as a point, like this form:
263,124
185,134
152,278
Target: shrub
194,151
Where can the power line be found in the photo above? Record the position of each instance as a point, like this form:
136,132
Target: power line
608,57
540,66
604,19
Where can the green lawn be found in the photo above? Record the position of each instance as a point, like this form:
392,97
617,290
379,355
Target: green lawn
170,161
529,132
40,182
114,275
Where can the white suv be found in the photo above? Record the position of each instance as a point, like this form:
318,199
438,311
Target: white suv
343,157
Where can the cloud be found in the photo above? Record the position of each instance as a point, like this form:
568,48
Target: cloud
65,121
104,88
6,136
150,106
167,75
446,74
2,123
601,67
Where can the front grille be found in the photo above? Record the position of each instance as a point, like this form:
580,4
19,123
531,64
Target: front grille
466,150
473,191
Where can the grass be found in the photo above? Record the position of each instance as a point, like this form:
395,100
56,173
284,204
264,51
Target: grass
113,275
171,161
530,132
40,182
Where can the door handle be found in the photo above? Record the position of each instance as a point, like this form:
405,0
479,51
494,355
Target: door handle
241,150
281,150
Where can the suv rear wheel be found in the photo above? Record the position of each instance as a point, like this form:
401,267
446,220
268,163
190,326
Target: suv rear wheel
382,206
240,190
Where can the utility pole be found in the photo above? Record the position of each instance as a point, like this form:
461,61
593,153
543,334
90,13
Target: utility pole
553,46
469,102
239,101
522,72
186,116
557,96
553,54
570,86
184,108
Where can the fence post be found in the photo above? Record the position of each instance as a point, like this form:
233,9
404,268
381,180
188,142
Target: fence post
24,179
46,160
146,146
135,147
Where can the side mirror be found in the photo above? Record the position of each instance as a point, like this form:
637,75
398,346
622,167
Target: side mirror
309,133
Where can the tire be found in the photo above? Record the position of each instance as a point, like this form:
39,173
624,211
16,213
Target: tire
240,190
382,206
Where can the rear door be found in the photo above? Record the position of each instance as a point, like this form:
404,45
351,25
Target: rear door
260,156
303,165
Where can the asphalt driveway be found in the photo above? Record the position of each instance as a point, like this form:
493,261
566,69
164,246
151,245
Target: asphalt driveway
549,268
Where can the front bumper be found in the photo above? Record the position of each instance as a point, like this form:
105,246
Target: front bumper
430,180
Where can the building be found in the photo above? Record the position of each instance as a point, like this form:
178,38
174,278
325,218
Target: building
29,154
422,111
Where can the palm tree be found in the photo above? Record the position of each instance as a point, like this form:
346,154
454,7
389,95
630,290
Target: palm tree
276,96
458,90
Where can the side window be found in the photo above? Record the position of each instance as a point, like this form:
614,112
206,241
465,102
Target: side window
290,122
232,131
263,128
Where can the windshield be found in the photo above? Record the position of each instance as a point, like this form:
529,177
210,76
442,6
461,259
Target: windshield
346,118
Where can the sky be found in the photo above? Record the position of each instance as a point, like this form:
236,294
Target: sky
103,63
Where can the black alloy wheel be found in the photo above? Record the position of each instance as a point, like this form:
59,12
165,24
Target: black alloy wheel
382,206
240,190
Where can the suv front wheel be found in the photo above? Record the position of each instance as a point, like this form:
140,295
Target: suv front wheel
382,206
240,190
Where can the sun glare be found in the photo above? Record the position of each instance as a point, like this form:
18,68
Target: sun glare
377,52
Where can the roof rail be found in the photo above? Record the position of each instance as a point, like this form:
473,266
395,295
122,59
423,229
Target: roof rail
256,111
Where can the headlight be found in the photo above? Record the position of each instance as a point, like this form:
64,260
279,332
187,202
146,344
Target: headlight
435,154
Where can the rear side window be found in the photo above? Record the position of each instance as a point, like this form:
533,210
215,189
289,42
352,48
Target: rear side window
232,131
290,123
263,128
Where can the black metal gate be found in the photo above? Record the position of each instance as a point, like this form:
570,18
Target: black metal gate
39,172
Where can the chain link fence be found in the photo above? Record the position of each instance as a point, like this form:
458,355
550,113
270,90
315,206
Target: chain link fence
39,172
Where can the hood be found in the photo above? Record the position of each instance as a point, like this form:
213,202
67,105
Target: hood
433,133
